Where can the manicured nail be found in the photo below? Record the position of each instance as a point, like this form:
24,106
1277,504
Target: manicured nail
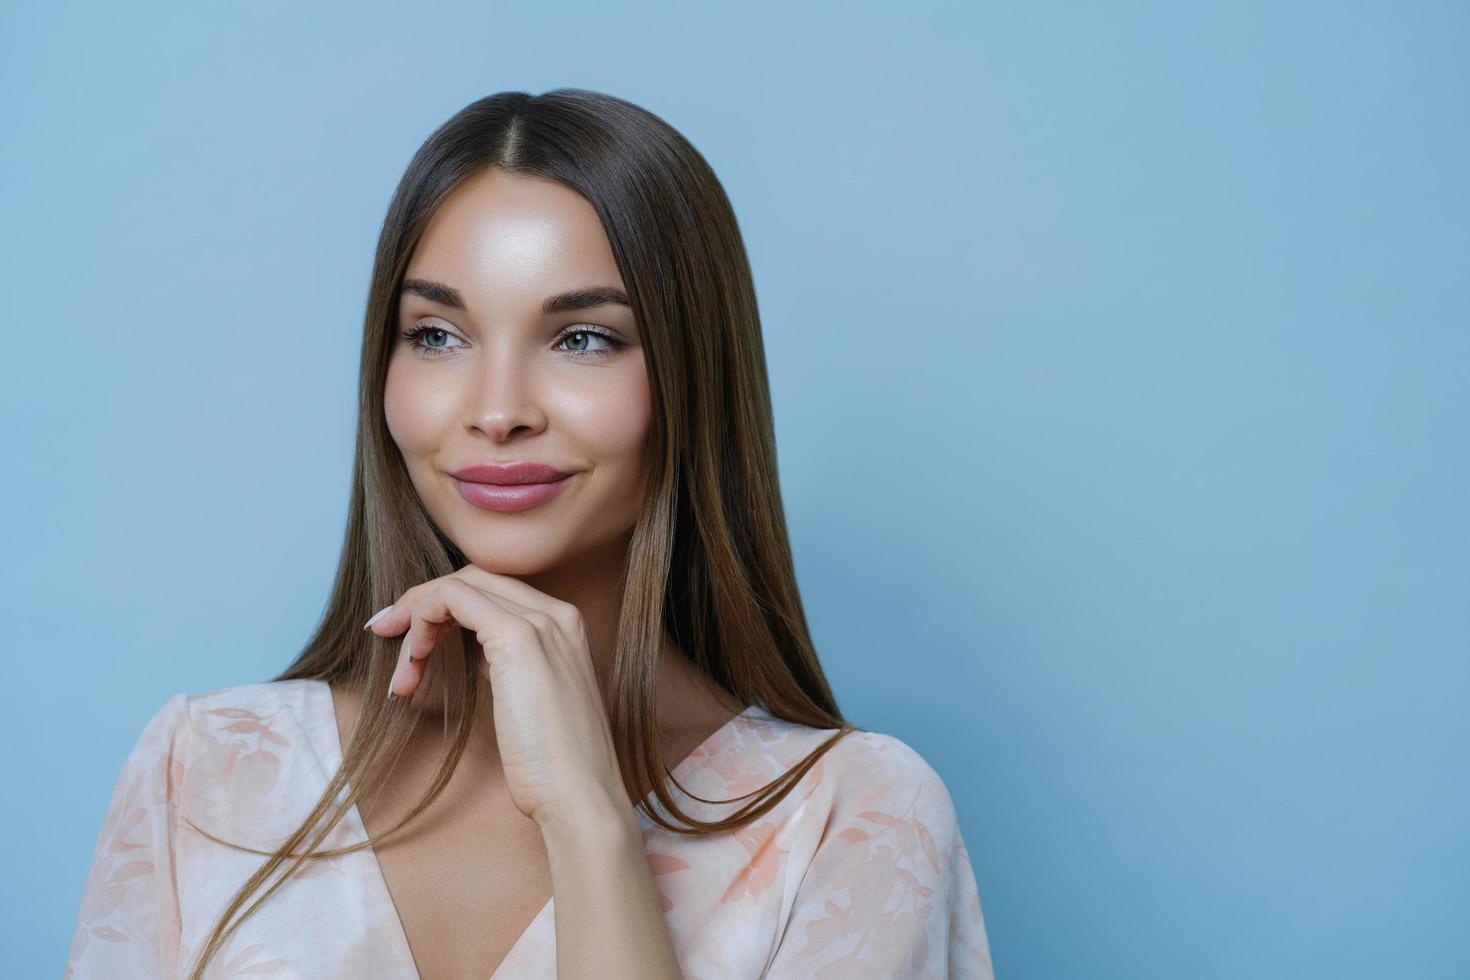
377,616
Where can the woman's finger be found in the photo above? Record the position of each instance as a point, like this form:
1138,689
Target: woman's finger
564,614
453,603
427,610
393,619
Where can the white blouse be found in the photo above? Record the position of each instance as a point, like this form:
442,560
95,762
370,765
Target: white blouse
860,871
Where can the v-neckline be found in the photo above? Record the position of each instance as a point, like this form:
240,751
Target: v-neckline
680,772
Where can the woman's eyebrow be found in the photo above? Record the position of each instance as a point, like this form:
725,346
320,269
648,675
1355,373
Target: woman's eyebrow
573,299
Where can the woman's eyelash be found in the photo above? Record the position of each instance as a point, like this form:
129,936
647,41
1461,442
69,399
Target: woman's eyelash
613,343
414,334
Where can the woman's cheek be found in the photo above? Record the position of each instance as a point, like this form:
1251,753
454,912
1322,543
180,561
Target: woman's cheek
410,412
624,421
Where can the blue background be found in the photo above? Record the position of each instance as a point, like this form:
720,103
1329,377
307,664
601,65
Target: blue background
1119,360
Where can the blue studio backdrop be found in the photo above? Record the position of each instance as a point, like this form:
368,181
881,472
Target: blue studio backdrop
1118,355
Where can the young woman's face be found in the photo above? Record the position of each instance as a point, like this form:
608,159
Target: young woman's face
501,380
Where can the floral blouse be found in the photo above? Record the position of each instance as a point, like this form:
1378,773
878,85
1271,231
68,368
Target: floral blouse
860,871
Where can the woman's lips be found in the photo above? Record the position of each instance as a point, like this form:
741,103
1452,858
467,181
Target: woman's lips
509,497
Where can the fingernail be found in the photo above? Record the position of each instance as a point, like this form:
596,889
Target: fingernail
377,616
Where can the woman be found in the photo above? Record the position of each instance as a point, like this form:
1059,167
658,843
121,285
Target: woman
565,511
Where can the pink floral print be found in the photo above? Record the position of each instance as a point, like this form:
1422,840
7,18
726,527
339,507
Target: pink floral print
860,871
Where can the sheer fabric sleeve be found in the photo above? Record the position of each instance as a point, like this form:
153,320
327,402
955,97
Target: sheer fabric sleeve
128,924
890,891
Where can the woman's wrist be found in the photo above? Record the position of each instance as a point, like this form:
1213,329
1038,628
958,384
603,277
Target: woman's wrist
609,919
591,826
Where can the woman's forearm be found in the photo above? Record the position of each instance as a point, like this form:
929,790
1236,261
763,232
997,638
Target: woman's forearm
609,925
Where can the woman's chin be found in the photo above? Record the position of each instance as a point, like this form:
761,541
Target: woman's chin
504,562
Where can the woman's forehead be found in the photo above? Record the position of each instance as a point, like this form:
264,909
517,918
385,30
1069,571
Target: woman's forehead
510,242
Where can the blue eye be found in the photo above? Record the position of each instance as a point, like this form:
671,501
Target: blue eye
413,335
582,332
613,343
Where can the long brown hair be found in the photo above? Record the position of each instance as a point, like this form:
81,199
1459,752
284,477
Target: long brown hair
709,561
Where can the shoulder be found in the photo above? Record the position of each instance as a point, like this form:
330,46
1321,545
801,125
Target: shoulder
877,758
882,880
245,708
166,721
154,763
249,757
874,809
187,724
267,695
866,778
881,783
876,770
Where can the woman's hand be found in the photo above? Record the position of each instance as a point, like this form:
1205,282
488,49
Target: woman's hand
560,765
551,725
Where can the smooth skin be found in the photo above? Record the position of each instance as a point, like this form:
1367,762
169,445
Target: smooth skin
500,380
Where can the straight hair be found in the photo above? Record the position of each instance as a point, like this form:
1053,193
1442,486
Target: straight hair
709,561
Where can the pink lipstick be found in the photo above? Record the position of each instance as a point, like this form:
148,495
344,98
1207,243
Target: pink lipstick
509,487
